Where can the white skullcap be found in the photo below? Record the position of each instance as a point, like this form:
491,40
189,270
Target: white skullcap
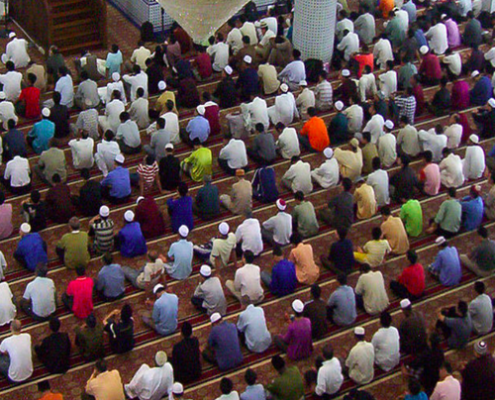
491,102
205,270
139,199
284,87
46,112
104,211
328,152
120,158
129,216
162,85
424,49
3,96
88,102
157,287
298,306
169,146
215,317
440,240
177,388
303,83
475,73
346,73
359,330
281,204
443,16
228,70
257,24
11,35
247,59
25,227
183,231
474,138
161,358
116,77
405,303
201,110
339,105
389,124
481,348
224,228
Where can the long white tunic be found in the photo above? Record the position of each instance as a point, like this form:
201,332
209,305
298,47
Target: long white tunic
473,164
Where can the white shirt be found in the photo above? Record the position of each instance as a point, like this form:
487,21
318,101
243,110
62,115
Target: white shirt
82,152
327,174
249,232
375,127
288,143
231,396
139,57
284,110
454,135
404,17
342,25
18,348
129,133
378,180
248,29
235,154
252,322
473,164
433,142
265,40
7,306
272,24
151,383
219,54
234,40
137,81
248,281
3,266
139,112
372,287
451,171
355,116
11,82
17,170
41,292
305,100
16,51
388,83
387,145
65,87
294,72
107,151
437,38
7,111
360,362
255,112
172,125
454,61
490,56
349,45
382,52
281,226
119,86
329,378
367,85
299,174
387,348
408,140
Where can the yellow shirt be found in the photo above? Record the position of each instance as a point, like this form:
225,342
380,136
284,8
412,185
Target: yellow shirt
350,162
106,386
393,230
366,201
199,163
161,102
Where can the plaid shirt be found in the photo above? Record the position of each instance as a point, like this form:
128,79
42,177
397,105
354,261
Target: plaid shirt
88,121
407,107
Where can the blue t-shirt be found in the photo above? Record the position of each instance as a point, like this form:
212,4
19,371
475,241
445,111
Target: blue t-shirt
265,185
198,127
131,240
42,132
180,211
32,250
448,265
343,303
284,280
165,313
254,392
119,182
342,255
472,212
419,396
182,252
114,61
224,340
111,280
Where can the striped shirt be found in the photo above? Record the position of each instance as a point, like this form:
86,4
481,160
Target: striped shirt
324,95
147,174
103,230
407,107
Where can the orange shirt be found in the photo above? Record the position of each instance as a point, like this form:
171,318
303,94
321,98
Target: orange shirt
52,396
363,60
307,272
386,6
317,133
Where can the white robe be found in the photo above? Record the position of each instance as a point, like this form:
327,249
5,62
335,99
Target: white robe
284,110
473,164
451,174
151,383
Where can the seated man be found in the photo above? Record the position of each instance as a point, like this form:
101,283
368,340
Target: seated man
79,295
282,280
278,229
103,382
199,163
149,217
208,296
252,324
178,262
246,286
40,297
304,217
54,350
342,304
148,276
181,210
263,150
411,282
127,135
374,251
116,186
447,265
240,200
31,249
197,128
341,256
130,240
16,355
207,203
111,280
219,250
481,261
73,248
163,318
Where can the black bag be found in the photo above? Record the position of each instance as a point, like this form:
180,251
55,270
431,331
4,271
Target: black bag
147,33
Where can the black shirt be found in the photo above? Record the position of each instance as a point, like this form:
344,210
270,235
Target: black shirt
441,100
90,198
343,207
226,93
405,181
37,215
155,75
121,336
54,352
60,117
14,144
316,311
186,360
169,170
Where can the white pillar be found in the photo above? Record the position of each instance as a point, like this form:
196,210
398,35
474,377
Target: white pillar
314,28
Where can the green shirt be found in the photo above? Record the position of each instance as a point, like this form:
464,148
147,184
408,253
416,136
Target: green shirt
449,216
75,246
369,152
304,217
288,386
90,342
412,216
198,164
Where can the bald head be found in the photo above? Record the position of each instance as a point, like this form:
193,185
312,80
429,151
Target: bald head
16,326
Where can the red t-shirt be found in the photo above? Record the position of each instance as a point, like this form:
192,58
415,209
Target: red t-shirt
212,114
413,278
81,290
31,96
363,60
203,61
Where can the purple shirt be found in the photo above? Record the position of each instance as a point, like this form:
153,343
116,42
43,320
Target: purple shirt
6,227
453,35
299,339
460,95
430,67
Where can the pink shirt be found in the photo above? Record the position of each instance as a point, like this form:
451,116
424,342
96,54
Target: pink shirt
6,227
430,175
453,35
448,389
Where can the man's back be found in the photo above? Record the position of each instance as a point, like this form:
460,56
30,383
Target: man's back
288,386
186,360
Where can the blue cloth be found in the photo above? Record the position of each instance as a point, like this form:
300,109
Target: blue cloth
284,280
472,212
448,266
113,63
419,396
492,152
165,313
119,181
343,304
224,340
14,144
342,255
252,323
481,93
32,250
249,82
131,240
254,392
410,8
180,211
111,280
420,38
265,185
42,132
198,127
182,252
